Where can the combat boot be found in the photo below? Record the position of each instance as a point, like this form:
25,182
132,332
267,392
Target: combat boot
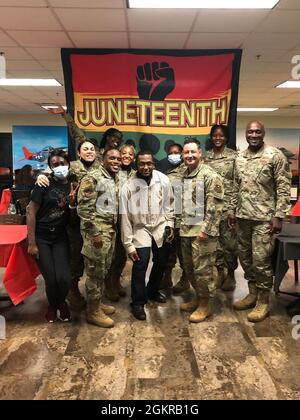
182,285
262,308
75,298
249,301
220,278
203,310
229,283
95,315
189,306
107,309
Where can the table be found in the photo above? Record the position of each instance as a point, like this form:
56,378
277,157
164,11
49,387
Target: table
21,269
287,248
5,200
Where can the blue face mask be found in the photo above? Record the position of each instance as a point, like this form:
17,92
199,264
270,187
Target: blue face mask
174,159
61,172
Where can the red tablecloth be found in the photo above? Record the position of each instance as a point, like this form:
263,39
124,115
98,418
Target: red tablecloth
296,209
21,269
5,200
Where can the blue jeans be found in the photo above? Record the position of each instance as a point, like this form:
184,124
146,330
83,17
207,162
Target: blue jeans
139,292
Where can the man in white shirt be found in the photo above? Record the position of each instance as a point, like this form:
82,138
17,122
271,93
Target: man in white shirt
147,216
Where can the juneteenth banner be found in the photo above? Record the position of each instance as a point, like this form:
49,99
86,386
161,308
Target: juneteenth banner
155,97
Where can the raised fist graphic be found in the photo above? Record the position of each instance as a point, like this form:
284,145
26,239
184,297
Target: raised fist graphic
155,81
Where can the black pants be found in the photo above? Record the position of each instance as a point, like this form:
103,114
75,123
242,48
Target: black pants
54,265
139,291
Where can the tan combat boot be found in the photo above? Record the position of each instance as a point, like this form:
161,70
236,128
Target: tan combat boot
189,306
249,301
107,309
229,283
95,315
75,298
220,278
262,308
182,285
202,312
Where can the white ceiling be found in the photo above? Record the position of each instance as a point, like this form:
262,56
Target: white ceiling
33,31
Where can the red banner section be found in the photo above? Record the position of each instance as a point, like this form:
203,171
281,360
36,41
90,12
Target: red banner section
174,93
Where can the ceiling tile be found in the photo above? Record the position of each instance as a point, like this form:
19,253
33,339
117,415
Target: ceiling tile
162,20
281,21
23,65
228,20
212,40
6,41
29,74
287,57
41,39
288,4
15,53
109,4
279,68
28,19
23,3
157,40
92,20
99,39
262,54
45,53
273,41
51,64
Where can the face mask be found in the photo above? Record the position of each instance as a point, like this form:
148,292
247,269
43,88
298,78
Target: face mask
61,172
174,159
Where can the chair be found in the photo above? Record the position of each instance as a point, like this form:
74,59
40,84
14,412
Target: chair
20,199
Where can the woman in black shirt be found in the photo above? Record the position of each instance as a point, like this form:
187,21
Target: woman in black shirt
47,217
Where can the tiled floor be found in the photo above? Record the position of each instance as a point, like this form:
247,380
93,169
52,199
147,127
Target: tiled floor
166,357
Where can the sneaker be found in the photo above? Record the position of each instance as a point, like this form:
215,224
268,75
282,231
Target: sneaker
51,314
63,312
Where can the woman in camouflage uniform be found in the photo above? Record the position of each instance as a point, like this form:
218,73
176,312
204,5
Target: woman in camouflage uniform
221,159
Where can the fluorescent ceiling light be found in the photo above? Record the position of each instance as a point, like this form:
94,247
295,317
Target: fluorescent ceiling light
50,106
29,82
257,109
291,84
202,4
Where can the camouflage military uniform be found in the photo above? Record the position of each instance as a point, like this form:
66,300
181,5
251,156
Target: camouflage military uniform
199,256
77,172
223,164
98,212
262,191
78,136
